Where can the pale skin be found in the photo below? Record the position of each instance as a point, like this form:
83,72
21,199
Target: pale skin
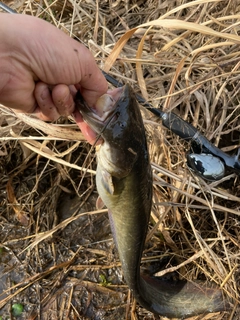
41,69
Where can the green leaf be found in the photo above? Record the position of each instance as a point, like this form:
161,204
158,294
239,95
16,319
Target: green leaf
17,309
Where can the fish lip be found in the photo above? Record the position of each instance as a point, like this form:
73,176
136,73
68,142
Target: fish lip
101,119
90,115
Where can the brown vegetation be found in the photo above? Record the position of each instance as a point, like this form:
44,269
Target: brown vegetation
57,254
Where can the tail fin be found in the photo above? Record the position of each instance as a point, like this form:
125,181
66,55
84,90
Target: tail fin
180,298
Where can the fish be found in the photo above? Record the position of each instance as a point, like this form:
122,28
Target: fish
124,183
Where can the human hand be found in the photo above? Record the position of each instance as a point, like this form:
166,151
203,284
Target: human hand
42,68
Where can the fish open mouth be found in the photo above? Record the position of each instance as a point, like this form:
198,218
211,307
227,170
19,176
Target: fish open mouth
104,111
105,105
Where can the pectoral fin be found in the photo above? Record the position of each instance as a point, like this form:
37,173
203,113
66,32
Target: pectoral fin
107,182
99,203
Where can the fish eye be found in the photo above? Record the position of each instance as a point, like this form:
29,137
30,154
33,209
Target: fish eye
123,124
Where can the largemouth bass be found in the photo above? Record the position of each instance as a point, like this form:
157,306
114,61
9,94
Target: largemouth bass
124,183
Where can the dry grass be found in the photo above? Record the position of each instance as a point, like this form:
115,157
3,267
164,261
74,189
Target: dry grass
57,251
